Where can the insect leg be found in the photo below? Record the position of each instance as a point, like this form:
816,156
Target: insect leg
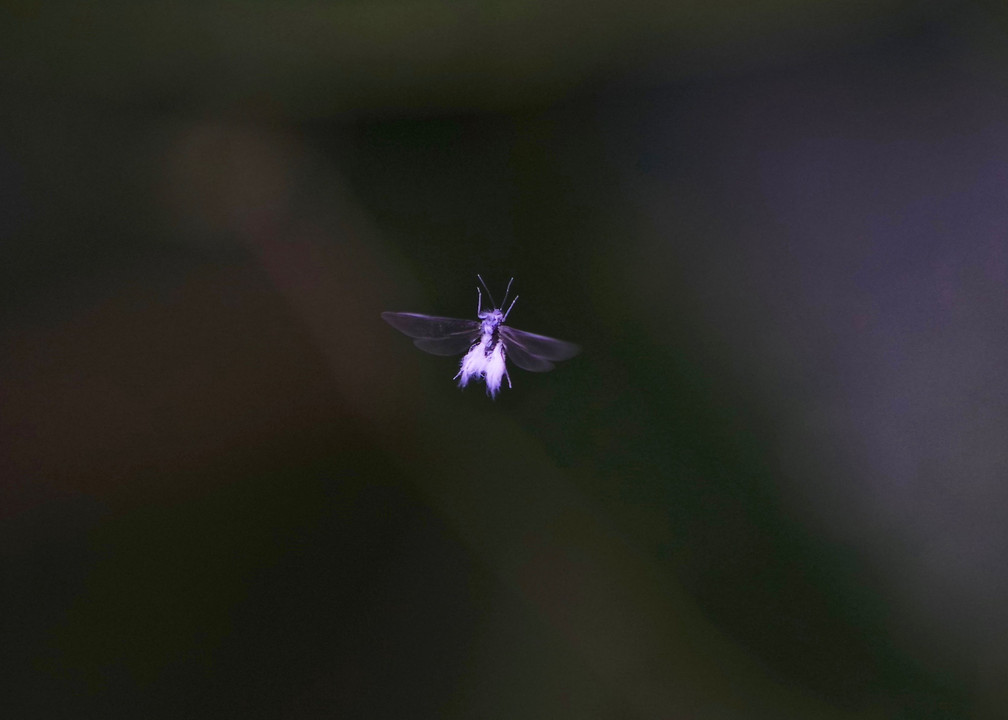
509,308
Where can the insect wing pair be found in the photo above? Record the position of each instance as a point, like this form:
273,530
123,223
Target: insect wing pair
486,341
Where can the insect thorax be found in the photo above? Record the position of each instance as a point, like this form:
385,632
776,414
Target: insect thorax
490,321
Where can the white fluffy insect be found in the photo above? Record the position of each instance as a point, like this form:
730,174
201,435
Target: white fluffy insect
487,342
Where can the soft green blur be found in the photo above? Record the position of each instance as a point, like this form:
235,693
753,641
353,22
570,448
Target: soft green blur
228,489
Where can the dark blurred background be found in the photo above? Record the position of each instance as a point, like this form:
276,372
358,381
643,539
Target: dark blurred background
773,485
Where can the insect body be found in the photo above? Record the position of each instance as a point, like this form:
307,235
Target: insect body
487,342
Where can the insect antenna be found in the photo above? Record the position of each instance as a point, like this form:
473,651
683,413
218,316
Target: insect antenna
505,299
489,294
506,292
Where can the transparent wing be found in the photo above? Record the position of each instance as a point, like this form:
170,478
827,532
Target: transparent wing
429,326
538,347
451,345
436,335
521,357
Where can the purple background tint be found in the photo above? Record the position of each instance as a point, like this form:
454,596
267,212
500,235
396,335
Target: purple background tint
858,288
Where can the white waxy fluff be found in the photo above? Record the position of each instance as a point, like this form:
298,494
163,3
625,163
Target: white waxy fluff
474,363
496,370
